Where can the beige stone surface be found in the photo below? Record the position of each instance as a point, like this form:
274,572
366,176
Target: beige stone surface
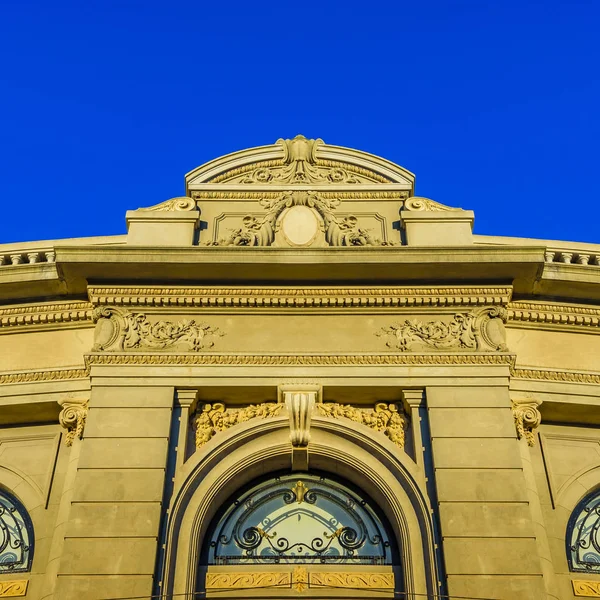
128,422
127,395
133,453
99,587
119,485
111,556
507,587
471,422
494,453
485,519
491,556
480,485
473,396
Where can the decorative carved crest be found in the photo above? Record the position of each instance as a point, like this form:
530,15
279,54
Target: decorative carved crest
72,417
480,330
301,165
123,330
384,418
215,418
338,230
182,203
527,418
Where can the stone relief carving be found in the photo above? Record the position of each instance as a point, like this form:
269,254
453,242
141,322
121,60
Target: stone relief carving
384,418
72,417
587,589
300,165
122,330
215,418
353,579
299,405
249,580
480,330
181,203
338,230
527,418
418,203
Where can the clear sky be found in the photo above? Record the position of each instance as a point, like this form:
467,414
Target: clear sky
106,104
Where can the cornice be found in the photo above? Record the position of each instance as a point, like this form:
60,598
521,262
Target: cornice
554,315
280,297
47,375
209,359
40,315
554,375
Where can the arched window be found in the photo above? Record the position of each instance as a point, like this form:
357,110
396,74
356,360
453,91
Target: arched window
583,535
299,518
16,536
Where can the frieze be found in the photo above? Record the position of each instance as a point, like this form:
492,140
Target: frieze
45,314
282,297
353,579
554,315
13,589
558,376
383,418
253,579
527,419
338,230
586,589
233,195
216,418
72,417
210,359
481,330
120,330
44,376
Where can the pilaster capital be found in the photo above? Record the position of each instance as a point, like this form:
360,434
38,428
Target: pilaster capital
527,418
72,417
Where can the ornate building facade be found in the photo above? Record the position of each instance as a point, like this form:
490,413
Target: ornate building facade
300,380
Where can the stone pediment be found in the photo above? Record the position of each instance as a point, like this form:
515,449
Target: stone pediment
299,161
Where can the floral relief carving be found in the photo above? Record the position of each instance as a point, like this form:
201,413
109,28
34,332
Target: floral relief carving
353,580
230,581
123,330
418,203
338,231
481,330
527,419
384,418
587,589
215,418
72,417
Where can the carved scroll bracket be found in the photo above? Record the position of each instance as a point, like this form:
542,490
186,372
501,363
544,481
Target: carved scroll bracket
122,330
527,418
479,331
72,417
300,401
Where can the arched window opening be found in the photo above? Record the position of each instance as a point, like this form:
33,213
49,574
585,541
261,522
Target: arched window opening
300,518
583,535
16,536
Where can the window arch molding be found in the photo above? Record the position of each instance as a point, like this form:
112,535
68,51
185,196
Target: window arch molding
357,455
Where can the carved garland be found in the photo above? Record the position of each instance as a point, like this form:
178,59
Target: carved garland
527,419
123,330
481,330
215,418
72,417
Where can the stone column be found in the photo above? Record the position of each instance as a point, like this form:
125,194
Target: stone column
489,542
111,536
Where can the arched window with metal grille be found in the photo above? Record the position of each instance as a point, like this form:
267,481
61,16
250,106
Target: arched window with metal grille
583,535
16,535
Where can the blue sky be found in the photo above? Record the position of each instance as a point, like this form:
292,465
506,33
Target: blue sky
105,105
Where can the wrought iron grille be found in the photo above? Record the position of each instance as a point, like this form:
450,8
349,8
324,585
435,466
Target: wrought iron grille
299,519
584,536
16,536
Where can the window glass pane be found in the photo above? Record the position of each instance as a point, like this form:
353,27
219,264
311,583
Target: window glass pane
584,537
16,536
300,519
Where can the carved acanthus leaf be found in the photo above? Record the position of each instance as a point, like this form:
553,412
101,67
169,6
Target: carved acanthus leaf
339,231
384,418
300,165
72,417
215,418
181,203
418,203
123,330
527,418
480,330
